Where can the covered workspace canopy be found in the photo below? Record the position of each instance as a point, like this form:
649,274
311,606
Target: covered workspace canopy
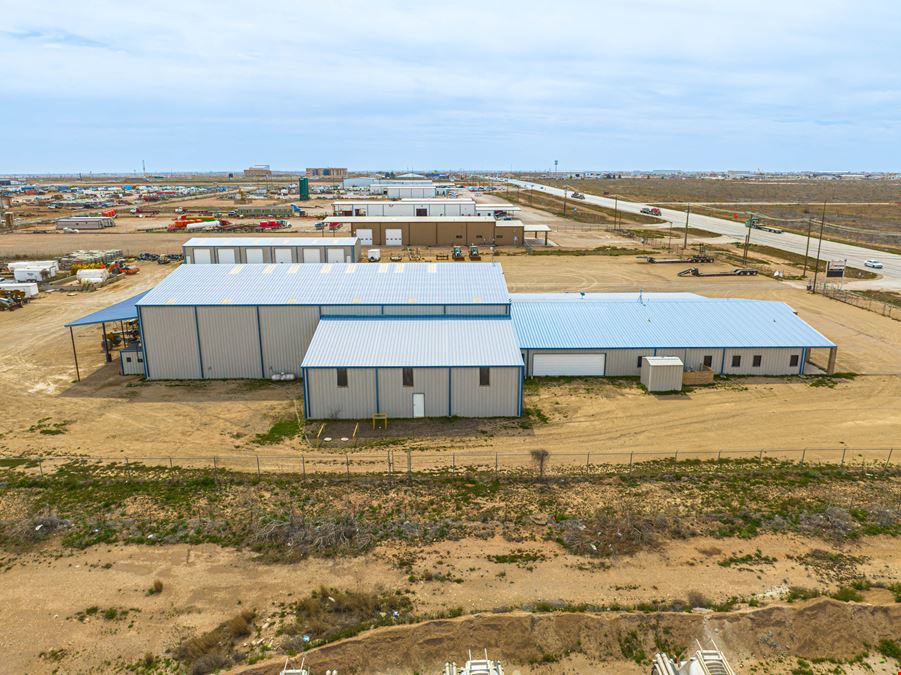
125,310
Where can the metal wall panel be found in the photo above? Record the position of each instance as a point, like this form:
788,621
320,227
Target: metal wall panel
470,399
170,342
694,358
619,362
477,310
329,401
773,362
286,333
396,400
414,310
230,342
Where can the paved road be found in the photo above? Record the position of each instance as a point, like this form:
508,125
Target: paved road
855,255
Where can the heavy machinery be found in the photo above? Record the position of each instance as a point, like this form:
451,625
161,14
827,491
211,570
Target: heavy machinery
266,225
737,272
753,223
109,213
457,253
297,210
577,195
121,267
474,253
473,666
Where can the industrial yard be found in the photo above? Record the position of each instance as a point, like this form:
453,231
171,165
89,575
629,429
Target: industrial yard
230,441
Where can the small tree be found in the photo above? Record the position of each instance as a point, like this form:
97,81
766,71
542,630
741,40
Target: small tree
540,457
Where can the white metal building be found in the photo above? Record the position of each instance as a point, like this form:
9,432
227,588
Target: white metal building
256,321
570,334
85,222
253,250
425,367
406,207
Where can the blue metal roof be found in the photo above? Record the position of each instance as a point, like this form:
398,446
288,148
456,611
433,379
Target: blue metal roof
209,242
413,343
640,296
333,284
710,323
121,311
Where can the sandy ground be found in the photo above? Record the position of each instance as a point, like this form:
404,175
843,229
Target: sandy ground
205,585
109,416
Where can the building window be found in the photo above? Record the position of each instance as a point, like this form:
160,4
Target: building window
459,236
758,359
484,377
342,377
708,360
793,360
408,377
638,364
736,361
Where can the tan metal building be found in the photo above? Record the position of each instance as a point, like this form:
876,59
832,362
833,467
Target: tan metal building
231,250
432,230
327,172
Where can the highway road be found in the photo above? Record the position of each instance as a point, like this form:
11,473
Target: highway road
795,243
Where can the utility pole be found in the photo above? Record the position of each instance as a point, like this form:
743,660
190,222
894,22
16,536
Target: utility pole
615,212
816,269
564,201
748,223
807,247
687,214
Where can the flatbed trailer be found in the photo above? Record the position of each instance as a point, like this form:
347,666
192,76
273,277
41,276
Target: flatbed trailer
697,259
737,272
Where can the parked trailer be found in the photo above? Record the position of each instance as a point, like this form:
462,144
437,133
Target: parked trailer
737,272
693,259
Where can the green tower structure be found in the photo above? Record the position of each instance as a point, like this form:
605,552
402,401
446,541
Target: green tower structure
304,188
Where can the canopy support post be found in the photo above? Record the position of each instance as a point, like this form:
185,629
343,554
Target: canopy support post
74,353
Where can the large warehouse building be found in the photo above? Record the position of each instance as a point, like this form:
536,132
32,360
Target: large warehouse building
436,339
256,321
231,250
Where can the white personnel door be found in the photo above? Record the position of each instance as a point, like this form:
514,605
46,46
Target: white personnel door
334,255
394,237
202,256
311,255
568,364
365,237
254,255
226,256
283,255
418,405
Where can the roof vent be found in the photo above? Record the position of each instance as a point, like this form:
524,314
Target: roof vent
411,300
226,301
171,301
357,300
292,301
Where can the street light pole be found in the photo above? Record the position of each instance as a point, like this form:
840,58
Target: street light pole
687,214
615,212
564,201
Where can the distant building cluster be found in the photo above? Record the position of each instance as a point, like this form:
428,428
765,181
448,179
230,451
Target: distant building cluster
327,172
258,171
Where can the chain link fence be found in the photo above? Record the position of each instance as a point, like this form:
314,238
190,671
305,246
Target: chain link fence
859,300
407,462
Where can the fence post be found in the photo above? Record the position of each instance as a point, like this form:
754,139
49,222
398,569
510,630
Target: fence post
718,453
889,458
215,462
41,466
454,460
587,460
844,450
303,466
496,467
347,463
127,468
409,464
803,454
631,452
676,456
258,465
170,462
760,458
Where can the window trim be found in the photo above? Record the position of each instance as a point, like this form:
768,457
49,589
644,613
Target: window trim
341,374
403,377
794,360
708,360
736,361
757,360
484,376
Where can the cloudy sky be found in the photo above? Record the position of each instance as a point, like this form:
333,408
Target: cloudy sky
625,84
